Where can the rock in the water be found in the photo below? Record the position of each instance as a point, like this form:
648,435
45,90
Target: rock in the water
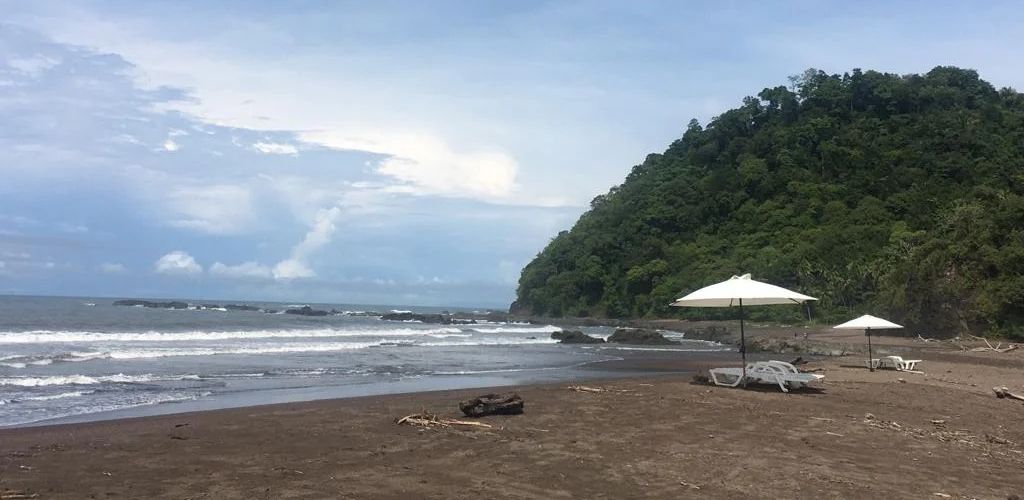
575,337
306,311
639,336
493,404
440,319
240,307
174,304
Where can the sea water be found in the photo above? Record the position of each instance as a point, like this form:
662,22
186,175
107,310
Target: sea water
73,359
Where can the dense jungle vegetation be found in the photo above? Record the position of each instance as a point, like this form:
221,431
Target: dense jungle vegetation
898,195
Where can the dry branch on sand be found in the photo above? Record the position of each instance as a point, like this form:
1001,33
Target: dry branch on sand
1004,392
583,388
991,348
426,419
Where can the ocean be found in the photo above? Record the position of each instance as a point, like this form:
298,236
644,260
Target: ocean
66,359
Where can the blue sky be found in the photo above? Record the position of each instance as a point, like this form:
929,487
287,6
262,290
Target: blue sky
384,152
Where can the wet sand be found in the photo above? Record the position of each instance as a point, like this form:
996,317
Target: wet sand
862,435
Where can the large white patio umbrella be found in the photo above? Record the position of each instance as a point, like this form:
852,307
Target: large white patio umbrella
740,291
867,323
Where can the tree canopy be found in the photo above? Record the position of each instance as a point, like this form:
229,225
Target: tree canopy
897,195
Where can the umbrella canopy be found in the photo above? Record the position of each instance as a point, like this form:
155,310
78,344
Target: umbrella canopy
867,323
740,291
737,289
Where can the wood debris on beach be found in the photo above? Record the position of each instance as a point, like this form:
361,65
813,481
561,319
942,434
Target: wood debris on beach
991,348
493,404
584,388
430,420
1004,393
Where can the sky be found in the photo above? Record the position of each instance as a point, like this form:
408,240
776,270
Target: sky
416,153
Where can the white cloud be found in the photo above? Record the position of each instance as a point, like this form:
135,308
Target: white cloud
73,228
273,148
218,209
178,263
113,268
292,268
429,165
250,269
33,65
170,145
319,234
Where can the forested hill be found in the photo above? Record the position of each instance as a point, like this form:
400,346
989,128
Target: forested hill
896,195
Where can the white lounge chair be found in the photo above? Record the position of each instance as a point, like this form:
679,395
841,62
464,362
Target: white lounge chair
896,363
783,374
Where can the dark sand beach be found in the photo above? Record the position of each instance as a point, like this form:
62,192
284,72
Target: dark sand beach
941,434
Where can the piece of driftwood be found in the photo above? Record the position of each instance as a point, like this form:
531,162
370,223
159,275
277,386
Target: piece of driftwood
1004,392
583,388
992,348
493,404
426,419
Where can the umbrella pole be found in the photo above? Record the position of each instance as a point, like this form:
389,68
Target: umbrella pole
743,345
871,365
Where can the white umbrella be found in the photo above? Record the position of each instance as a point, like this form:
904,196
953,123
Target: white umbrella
867,323
740,291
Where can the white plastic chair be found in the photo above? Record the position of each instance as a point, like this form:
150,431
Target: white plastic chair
780,373
898,363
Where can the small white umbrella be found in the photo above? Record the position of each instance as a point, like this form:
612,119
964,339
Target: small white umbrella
867,323
740,291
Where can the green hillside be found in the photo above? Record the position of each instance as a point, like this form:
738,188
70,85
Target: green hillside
898,195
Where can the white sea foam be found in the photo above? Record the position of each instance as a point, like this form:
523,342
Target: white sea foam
669,349
131,402
491,342
119,378
213,351
50,336
63,395
520,329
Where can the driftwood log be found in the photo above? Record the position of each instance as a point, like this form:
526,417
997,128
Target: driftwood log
1004,392
493,404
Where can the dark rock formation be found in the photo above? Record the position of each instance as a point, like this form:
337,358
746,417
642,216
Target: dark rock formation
423,318
575,337
639,336
306,311
152,304
493,404
240,307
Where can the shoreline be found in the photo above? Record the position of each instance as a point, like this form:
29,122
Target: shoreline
861,435
654,362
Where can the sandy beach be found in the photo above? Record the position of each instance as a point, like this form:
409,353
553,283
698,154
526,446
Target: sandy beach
941,434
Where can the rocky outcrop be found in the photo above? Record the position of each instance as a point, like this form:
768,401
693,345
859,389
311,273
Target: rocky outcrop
493,404
441,319
575,337
151,304
241,307
306,311
437,319
639,336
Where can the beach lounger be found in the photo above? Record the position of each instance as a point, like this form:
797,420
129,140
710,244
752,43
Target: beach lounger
780,373
898,363
730,377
